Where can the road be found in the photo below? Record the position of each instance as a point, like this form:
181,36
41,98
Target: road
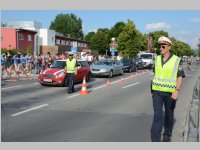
120,113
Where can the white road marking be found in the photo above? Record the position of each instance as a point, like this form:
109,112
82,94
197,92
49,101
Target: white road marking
11,87
99,87
131,85
31,109
73,96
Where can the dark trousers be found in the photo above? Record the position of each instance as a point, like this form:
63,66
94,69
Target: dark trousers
70,80
169,105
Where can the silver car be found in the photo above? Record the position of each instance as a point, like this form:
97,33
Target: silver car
106,67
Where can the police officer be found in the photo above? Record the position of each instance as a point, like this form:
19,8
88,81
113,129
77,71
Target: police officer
166,85
71,71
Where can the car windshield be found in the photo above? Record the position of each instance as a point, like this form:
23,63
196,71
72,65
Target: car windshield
146,56
58,64
108,63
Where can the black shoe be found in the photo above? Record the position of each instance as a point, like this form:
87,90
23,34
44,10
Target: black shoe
166,138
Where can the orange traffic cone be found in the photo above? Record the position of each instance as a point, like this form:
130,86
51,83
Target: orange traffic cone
131,76
84,87
108,83
122,80
142,71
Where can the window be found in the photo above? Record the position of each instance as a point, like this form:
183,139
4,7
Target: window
57,41
1,38
83,63
29,38
21,36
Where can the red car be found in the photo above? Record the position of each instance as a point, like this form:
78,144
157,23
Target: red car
56,74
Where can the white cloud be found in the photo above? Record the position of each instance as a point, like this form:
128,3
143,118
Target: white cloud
157,26
195,20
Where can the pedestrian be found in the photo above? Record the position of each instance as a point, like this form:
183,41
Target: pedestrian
166,84
189,62
49,60
71,71
9,59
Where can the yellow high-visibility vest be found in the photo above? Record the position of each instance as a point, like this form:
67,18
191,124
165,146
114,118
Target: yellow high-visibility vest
165,77
71,65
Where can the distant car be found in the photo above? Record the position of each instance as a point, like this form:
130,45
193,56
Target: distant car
106,67
148,59
56,74
129,65
139,63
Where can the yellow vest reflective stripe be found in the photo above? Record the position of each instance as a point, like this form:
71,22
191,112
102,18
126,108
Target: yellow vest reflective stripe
165,76
71,65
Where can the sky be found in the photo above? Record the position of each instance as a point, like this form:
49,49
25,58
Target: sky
183,25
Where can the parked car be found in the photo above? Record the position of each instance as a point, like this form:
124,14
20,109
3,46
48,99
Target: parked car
139,63
106,67
128,65
56,74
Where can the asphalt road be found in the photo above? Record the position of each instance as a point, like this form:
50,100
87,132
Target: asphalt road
120,113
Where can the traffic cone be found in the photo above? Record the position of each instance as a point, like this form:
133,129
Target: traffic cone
108,83
131,76
122,80
142,71
84,87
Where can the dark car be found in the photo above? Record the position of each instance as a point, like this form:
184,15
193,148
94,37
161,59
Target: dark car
139,63
128,65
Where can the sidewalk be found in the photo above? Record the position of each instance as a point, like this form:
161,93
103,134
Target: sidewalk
182,108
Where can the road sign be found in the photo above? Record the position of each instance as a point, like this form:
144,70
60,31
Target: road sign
113,53
74,49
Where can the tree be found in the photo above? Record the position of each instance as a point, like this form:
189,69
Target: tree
100,41
117,29
68,24
130,40
89,36
156,36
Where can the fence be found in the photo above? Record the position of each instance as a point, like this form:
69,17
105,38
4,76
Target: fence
191,131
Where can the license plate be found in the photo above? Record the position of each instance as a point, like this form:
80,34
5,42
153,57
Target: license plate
47,80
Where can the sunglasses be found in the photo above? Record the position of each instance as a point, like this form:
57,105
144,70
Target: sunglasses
163,46
70,55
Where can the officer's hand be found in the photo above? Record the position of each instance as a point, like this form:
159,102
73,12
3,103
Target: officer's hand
175,95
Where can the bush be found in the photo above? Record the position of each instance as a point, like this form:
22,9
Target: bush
14,51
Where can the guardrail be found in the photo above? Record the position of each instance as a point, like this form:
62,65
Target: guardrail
191,131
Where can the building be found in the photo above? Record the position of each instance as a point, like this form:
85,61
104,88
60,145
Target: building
46,40
12,38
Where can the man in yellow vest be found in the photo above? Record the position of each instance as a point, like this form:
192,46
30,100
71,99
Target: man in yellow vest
166,85
71,72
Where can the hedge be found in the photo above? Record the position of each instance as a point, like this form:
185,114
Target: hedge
14,51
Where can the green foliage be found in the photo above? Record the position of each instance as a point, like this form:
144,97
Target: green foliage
30,49
89,36
130,40
100,41
117,29
14,51
156,36
68,24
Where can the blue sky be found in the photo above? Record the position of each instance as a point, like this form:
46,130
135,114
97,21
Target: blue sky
183,25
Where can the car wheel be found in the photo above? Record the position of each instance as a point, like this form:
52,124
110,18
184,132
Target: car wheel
130,70
88,77
122,72
111,74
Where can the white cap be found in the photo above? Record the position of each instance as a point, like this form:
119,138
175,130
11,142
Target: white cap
164,40
70,53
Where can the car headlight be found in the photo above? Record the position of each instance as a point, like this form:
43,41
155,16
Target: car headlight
61,74
104,70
